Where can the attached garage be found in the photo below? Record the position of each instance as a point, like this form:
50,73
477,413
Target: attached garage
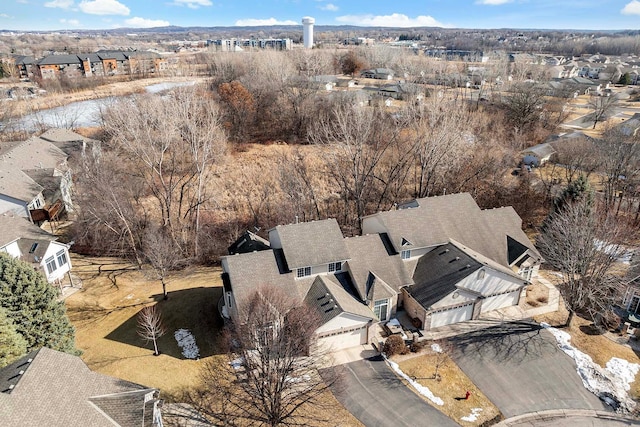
496,302
454,315
345,338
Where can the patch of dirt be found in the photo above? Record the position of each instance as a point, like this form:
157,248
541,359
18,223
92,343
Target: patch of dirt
537,295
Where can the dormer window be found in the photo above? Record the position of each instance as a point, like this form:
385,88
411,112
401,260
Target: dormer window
303,272
335,266
406,254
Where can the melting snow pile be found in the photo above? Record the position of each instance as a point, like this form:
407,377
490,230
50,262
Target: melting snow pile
187,343
473,416
237,363
610,384
436,348
418,387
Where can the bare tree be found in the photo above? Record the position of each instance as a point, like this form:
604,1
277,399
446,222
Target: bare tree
274,363
150,326
162,255
620,166
582,242
603,107
357,140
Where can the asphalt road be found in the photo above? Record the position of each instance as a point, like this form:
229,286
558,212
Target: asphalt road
375,396
521,369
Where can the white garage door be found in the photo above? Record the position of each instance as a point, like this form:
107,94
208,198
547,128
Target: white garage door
338,340
500,301
455,315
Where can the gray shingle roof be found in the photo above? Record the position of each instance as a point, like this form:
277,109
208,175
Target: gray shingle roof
438,271
368,255
328,297
17,184
311,243
436,220
34,153
55,390
60,60
540,150
13,228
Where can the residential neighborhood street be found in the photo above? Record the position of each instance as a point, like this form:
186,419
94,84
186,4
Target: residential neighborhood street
377,397
521,369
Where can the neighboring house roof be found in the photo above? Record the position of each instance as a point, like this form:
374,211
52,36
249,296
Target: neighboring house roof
248,242
34,153
67,140
32,240
18,185
112,54
47,388
312,243
23,60
60,60
438,271
540,151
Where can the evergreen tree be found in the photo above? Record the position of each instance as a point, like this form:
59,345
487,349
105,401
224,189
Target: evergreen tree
31,303
12,345
576,190
625,79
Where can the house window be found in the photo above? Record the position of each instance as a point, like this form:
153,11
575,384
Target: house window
62,258
381,309
303,272
406,254
335,266
51,265
33,248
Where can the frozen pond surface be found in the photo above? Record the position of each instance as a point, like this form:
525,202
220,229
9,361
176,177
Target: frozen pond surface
81,113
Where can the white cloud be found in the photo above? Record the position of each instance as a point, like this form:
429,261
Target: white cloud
330,7
632,8
393,20
5,16
138,22
104,7
62,4
493,2
192,4
72,22
263,22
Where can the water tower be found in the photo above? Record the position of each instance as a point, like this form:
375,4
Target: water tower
307,34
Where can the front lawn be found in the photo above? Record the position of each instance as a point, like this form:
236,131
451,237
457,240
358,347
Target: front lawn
451,388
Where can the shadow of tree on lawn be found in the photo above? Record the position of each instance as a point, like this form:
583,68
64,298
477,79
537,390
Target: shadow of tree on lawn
195,309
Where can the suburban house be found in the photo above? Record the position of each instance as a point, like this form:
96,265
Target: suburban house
50,388
538,155
35,181
22,239
441,259
378,73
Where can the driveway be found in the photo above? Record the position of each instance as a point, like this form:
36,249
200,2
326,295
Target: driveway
374,395
520,368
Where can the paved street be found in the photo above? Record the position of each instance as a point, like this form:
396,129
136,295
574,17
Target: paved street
521,369
375,395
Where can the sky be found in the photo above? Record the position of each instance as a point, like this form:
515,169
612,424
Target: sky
38,15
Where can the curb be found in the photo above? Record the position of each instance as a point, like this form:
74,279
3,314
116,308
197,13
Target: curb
564,413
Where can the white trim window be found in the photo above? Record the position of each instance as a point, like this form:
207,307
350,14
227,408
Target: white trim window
61,255
381,309
405,254
51,265
335,266
526,272
303,272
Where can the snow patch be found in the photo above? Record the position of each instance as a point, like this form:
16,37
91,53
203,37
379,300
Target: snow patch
187,343
417,386
436,348
237,363
473,416
611,384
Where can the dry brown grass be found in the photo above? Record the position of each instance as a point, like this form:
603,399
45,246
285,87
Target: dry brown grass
451,388
104,314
